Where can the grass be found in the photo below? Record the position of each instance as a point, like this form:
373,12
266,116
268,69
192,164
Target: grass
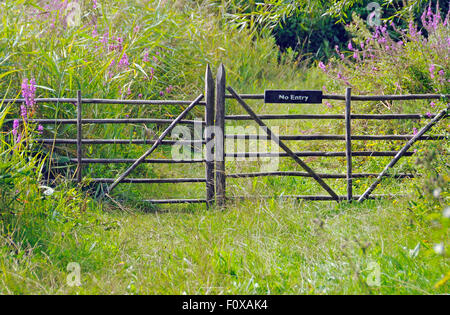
251,248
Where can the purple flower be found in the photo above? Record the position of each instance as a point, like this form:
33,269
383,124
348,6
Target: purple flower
29,93
328,105
15,127
350,46
441,73
322,66
433,104
428,114
432,68
152,73
94,4
415,131
105,38
40,129
161,93
145,59
124,63
140,95
169,89
23,112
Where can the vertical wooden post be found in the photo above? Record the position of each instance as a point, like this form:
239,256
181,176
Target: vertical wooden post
79,137
209,118
348,141
220,138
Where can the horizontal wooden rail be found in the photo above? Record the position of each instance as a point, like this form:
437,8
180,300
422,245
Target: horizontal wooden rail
228,96
328,176
176,201
150,180
109,121
118,141
312,198
130,161
333,116
313,154
336,137
105,101
359,97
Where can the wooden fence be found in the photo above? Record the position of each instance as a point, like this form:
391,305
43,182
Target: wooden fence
215,116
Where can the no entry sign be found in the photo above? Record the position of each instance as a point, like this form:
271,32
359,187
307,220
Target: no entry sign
293,97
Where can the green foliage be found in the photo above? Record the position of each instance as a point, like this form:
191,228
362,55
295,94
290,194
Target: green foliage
280,247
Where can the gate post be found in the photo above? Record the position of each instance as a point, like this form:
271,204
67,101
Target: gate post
209,118
220,138
79,138
348,141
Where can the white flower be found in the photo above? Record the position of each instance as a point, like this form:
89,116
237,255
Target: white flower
437,192
439,248
48,190
446,213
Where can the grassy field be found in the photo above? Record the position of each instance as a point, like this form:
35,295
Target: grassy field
276,246
251,248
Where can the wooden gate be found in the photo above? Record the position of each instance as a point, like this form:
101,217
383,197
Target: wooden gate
222,117
215,117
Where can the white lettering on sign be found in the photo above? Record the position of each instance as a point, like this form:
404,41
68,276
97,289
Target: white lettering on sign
293,97
299,98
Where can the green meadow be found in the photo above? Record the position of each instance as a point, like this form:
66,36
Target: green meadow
59,237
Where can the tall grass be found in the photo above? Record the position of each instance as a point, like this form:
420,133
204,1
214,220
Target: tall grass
261,247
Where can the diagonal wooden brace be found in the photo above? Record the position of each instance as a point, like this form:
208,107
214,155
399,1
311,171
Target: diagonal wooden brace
275,138
402,152
157,143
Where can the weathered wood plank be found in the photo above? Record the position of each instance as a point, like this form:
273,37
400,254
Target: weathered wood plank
209,118
219,138
79,138
348,143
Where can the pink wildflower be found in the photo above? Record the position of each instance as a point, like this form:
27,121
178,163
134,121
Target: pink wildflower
29,92
15,127
432,68
40,129
124,63
322,66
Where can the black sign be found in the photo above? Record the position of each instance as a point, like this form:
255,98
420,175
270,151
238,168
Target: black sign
293,97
